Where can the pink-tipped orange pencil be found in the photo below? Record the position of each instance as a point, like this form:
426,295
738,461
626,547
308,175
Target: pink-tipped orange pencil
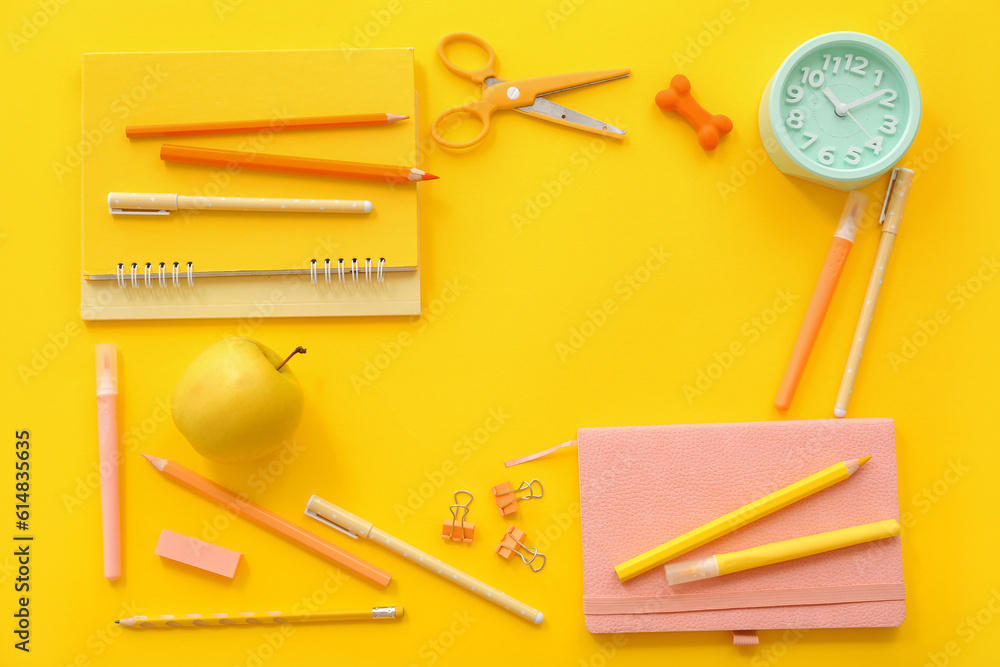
822,294
275,124
269,519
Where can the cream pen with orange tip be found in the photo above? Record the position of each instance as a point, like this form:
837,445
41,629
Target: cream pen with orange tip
890,219
154,203
107,436
354,526
836,257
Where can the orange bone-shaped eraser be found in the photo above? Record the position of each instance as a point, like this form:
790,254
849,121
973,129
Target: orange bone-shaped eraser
678,98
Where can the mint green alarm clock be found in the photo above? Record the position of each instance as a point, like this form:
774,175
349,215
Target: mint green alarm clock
840,111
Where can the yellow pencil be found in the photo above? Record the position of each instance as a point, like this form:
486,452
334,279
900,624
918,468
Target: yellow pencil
738,518
251,618
778,552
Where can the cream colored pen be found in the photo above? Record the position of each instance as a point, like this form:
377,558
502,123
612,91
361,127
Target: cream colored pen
355,527
892,215
152,203
107,438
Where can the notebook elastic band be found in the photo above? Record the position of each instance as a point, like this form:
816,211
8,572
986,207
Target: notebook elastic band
784,597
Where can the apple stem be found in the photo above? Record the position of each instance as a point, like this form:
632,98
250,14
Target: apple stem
298,350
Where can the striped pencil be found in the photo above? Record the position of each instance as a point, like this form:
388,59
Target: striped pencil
252,618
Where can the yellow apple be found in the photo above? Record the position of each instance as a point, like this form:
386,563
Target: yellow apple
237,401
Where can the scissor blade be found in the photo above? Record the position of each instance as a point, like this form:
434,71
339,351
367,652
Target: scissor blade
587,83
548,110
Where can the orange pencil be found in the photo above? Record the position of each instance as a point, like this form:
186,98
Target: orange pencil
822,294
269,519
275,124
292,165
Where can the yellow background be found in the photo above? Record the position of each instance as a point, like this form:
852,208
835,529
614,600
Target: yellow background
500,298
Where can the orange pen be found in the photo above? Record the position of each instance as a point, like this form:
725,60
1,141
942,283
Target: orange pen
270,520
822,294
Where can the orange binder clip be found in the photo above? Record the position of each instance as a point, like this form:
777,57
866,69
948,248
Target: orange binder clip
513,543
458,529
506,495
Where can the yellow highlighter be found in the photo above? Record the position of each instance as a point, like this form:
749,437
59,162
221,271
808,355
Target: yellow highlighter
778,552
738,518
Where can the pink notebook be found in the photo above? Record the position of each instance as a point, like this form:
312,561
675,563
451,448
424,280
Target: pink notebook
641,486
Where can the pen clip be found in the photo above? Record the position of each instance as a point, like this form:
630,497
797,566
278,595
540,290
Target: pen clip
888,193
135,211
321,519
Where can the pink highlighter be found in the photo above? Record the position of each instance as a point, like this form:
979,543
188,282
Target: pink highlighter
107,434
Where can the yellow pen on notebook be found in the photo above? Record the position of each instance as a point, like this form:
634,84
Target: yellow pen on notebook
778,552
738,518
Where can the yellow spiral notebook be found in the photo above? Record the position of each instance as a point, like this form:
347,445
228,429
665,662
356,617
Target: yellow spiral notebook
231,263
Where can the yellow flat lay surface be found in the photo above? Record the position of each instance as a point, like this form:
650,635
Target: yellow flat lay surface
568,280
268,86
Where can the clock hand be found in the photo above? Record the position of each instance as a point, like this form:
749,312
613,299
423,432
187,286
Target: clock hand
839,107
867,98
867,134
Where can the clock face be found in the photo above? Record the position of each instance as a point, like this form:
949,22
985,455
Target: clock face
845,104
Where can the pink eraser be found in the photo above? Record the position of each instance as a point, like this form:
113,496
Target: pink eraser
198,553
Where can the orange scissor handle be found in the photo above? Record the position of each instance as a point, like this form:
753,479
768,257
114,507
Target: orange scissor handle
478,75
482,110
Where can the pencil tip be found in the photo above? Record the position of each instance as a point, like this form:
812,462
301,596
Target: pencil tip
393,117
863,460
429,177
148,457
117,621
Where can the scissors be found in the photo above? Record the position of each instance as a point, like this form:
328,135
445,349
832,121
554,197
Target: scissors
524,95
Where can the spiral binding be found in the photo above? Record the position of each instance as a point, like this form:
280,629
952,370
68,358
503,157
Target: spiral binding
125,276
355,270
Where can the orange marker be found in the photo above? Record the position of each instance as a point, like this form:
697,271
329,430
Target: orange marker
276,125
293,165
678,98
822,294
269,519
